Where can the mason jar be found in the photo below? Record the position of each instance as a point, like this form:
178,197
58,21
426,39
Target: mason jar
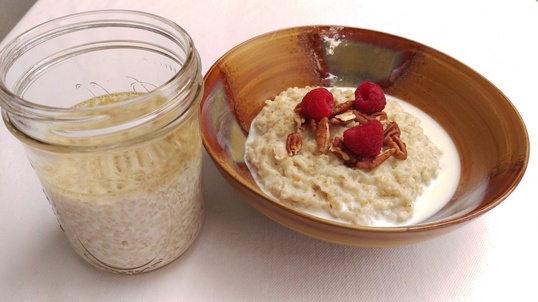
106,105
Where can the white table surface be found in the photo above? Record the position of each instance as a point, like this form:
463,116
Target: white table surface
240,254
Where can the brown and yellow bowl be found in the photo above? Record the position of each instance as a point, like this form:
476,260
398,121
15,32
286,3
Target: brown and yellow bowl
488,132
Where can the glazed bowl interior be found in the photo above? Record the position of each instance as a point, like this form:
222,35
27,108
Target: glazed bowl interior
488,132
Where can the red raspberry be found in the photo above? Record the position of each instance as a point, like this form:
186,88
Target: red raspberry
365,140
317,104
369,98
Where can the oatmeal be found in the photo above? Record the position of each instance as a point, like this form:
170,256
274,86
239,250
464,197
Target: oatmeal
316,181
133,209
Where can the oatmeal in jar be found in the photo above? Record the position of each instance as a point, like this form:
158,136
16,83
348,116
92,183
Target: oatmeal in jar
132,209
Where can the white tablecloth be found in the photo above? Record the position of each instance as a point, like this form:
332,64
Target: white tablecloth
240,254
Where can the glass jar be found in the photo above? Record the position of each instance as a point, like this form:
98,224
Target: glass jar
106,105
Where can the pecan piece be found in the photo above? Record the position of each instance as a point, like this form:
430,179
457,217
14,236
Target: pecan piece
341,151
299,118
294,143
369,163
313,125
342,107
323,135
380,115
343,118
362,118
393,141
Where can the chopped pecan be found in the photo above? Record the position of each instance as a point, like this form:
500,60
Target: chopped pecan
343,118
342,107
323,135
299,117
380,115
340,150
313,125
393,141
373,162
294,143
297,108
362,118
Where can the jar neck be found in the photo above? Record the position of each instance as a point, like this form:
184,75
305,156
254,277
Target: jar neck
135,116
135,119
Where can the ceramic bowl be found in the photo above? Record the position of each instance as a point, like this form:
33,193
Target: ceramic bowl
488,132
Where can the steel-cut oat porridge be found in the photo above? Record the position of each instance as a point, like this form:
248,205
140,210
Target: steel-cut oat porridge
317,182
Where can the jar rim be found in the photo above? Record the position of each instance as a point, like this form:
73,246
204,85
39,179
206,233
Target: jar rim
46,124
19,105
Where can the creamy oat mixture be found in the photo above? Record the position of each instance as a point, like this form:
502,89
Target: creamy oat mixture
318,182
130,210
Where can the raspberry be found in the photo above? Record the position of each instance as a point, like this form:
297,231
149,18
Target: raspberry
365,140
317,104
369,98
